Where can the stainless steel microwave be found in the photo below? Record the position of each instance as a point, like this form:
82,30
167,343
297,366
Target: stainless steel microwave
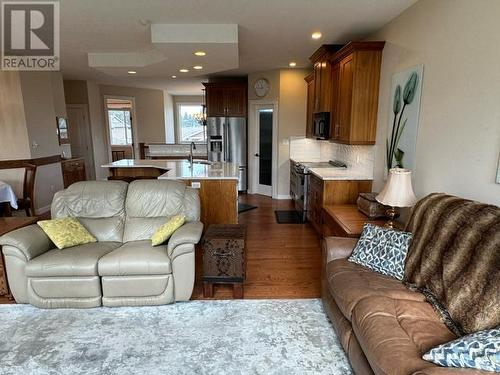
321,129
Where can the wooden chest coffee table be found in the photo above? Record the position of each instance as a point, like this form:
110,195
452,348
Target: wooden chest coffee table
224,258
8,224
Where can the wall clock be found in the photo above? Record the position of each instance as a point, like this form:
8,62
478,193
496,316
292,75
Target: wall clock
261,87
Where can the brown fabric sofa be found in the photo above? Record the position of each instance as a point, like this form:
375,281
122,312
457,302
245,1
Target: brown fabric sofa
384,327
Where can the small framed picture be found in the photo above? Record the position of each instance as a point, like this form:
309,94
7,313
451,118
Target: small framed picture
62,130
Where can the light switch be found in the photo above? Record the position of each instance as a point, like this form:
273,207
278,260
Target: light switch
196,185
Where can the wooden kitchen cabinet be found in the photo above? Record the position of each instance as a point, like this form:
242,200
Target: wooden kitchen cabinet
356,106
73,170
346,84
310,105
226,99
328,192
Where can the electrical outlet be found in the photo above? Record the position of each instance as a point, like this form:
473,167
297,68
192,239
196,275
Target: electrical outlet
196,185
52,188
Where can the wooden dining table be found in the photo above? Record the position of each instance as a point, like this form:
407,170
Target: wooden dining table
8,198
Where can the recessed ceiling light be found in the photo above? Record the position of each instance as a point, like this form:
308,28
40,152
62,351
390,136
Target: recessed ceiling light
183,70
316,35
174,76
293,64
197,67
200,53
132,72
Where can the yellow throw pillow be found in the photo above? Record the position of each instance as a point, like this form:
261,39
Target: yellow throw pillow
66,232
166,230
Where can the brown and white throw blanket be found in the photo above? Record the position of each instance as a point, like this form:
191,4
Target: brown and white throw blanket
454,259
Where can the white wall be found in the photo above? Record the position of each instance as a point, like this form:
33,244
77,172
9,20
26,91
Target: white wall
459,133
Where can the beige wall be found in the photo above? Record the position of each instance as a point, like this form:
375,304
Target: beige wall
289,90
459,133
14,142
291,120
98,129
149,109
28,128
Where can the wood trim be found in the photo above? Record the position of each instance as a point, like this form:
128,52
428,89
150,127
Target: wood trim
352,47
309,78
20,163
324,50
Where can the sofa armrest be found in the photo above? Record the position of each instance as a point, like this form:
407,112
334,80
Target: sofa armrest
189,233
338,247
31,241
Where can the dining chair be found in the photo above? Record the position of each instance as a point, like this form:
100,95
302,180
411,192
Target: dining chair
27,202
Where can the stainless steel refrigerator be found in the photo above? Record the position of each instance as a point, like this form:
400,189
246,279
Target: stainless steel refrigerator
227,141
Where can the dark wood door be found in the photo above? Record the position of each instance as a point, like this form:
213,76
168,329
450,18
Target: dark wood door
345,98
235,101
310,105
214,97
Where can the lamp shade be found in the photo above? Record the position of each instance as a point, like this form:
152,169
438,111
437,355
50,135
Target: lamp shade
398,191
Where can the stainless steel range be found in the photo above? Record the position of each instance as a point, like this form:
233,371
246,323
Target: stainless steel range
299,181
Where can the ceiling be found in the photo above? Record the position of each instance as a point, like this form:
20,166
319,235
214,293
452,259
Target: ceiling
102,40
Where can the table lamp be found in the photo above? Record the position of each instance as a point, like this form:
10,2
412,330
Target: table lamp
397,192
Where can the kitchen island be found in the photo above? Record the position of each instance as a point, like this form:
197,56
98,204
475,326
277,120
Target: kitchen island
217,183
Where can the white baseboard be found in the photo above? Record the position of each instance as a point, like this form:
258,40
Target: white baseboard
282,196
42,210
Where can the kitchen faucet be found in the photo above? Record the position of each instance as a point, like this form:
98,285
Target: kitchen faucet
192,147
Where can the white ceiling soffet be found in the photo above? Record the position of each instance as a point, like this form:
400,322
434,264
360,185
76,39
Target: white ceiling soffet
102,40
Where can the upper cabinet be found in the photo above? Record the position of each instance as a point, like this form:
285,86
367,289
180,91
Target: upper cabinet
349,90
310,104
226,99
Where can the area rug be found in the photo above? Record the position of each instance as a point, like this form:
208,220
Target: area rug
197,337
243,207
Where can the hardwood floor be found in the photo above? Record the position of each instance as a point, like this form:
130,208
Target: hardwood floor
283,260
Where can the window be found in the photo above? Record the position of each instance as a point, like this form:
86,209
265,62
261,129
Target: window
120,127
189,127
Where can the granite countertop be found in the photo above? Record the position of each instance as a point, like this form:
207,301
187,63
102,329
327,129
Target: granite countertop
181,169
138,163
339,174
336,173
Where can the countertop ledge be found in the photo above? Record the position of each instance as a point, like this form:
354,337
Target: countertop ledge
182,170
338,174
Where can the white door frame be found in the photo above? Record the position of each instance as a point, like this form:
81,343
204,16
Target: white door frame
253,145
133,125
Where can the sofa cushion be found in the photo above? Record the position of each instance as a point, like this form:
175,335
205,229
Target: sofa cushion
382,250
349,283
150,203
479,350
395,333
136,258
99,205
78,260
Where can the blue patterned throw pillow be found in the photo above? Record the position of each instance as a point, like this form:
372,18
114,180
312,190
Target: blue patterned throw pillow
382,250
479,350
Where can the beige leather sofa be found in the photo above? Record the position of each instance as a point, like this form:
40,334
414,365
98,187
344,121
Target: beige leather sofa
122,268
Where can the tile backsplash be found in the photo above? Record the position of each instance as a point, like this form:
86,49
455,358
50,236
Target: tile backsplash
359,159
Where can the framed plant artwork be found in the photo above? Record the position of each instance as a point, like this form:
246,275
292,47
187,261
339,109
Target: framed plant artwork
402,132
62,130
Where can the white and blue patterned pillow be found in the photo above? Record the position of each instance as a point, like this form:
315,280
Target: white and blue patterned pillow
382,250
479,350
